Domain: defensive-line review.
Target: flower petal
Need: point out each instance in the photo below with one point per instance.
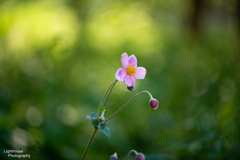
(129, 80)
(132, 60)
(121, 74)
(140, 73)
(124, 60)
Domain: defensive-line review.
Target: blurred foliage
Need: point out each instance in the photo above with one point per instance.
(58, 57)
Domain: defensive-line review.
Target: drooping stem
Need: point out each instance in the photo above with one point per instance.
(89, 143)
(127, 104)
(129, 153)
(107, 92)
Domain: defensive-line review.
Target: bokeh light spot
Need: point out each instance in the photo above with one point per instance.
(45, 22)
(68, 115)
(34, 116)
(121, 25)
(20, 138)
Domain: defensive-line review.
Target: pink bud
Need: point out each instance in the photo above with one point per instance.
(140, 156)
(154, 103)
(114, 156)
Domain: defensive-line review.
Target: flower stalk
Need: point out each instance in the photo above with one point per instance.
(127, 104)
(107, 92)
(129, 153)
(89, 143)
(110, 92)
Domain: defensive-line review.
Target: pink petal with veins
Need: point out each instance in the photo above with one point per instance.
(124, 60)
(129, 80)
(121, 74)
(140, 73)
(132, 60)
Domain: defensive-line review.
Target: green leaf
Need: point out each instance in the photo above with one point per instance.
(105, 130)
(93, 115)
(89, 118)
(101, 109)
(95, 123)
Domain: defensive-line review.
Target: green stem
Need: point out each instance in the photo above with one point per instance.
(127, 104)
(110, 87)
(89, 143)
(129, 153)
(109, 92)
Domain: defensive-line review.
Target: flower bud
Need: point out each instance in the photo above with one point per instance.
(101, 119)
(114, 156)
(130, 88)
(140, 156)
(153, 103)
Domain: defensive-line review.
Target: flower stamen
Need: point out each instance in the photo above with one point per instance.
(131, 70)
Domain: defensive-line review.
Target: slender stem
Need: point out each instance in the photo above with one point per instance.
(110, 87)
(89, 143)
(109, 92)
(127, 104)
(129, 153)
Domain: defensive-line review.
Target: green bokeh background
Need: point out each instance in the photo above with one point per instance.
(58, 57)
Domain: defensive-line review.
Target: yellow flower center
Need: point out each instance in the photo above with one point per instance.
(131, 70)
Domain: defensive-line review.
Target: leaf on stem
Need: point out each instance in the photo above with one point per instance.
(101, 109)
(89, 118)
(94, 120)
(93, 115)
(95, 123)
(105, 130)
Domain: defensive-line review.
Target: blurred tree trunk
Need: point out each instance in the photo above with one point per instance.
(238, 16)
(196, 15)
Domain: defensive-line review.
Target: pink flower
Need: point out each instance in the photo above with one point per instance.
(129, 72)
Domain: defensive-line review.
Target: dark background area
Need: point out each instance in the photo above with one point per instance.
(58, 57)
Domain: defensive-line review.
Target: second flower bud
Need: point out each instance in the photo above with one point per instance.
(101, 119)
